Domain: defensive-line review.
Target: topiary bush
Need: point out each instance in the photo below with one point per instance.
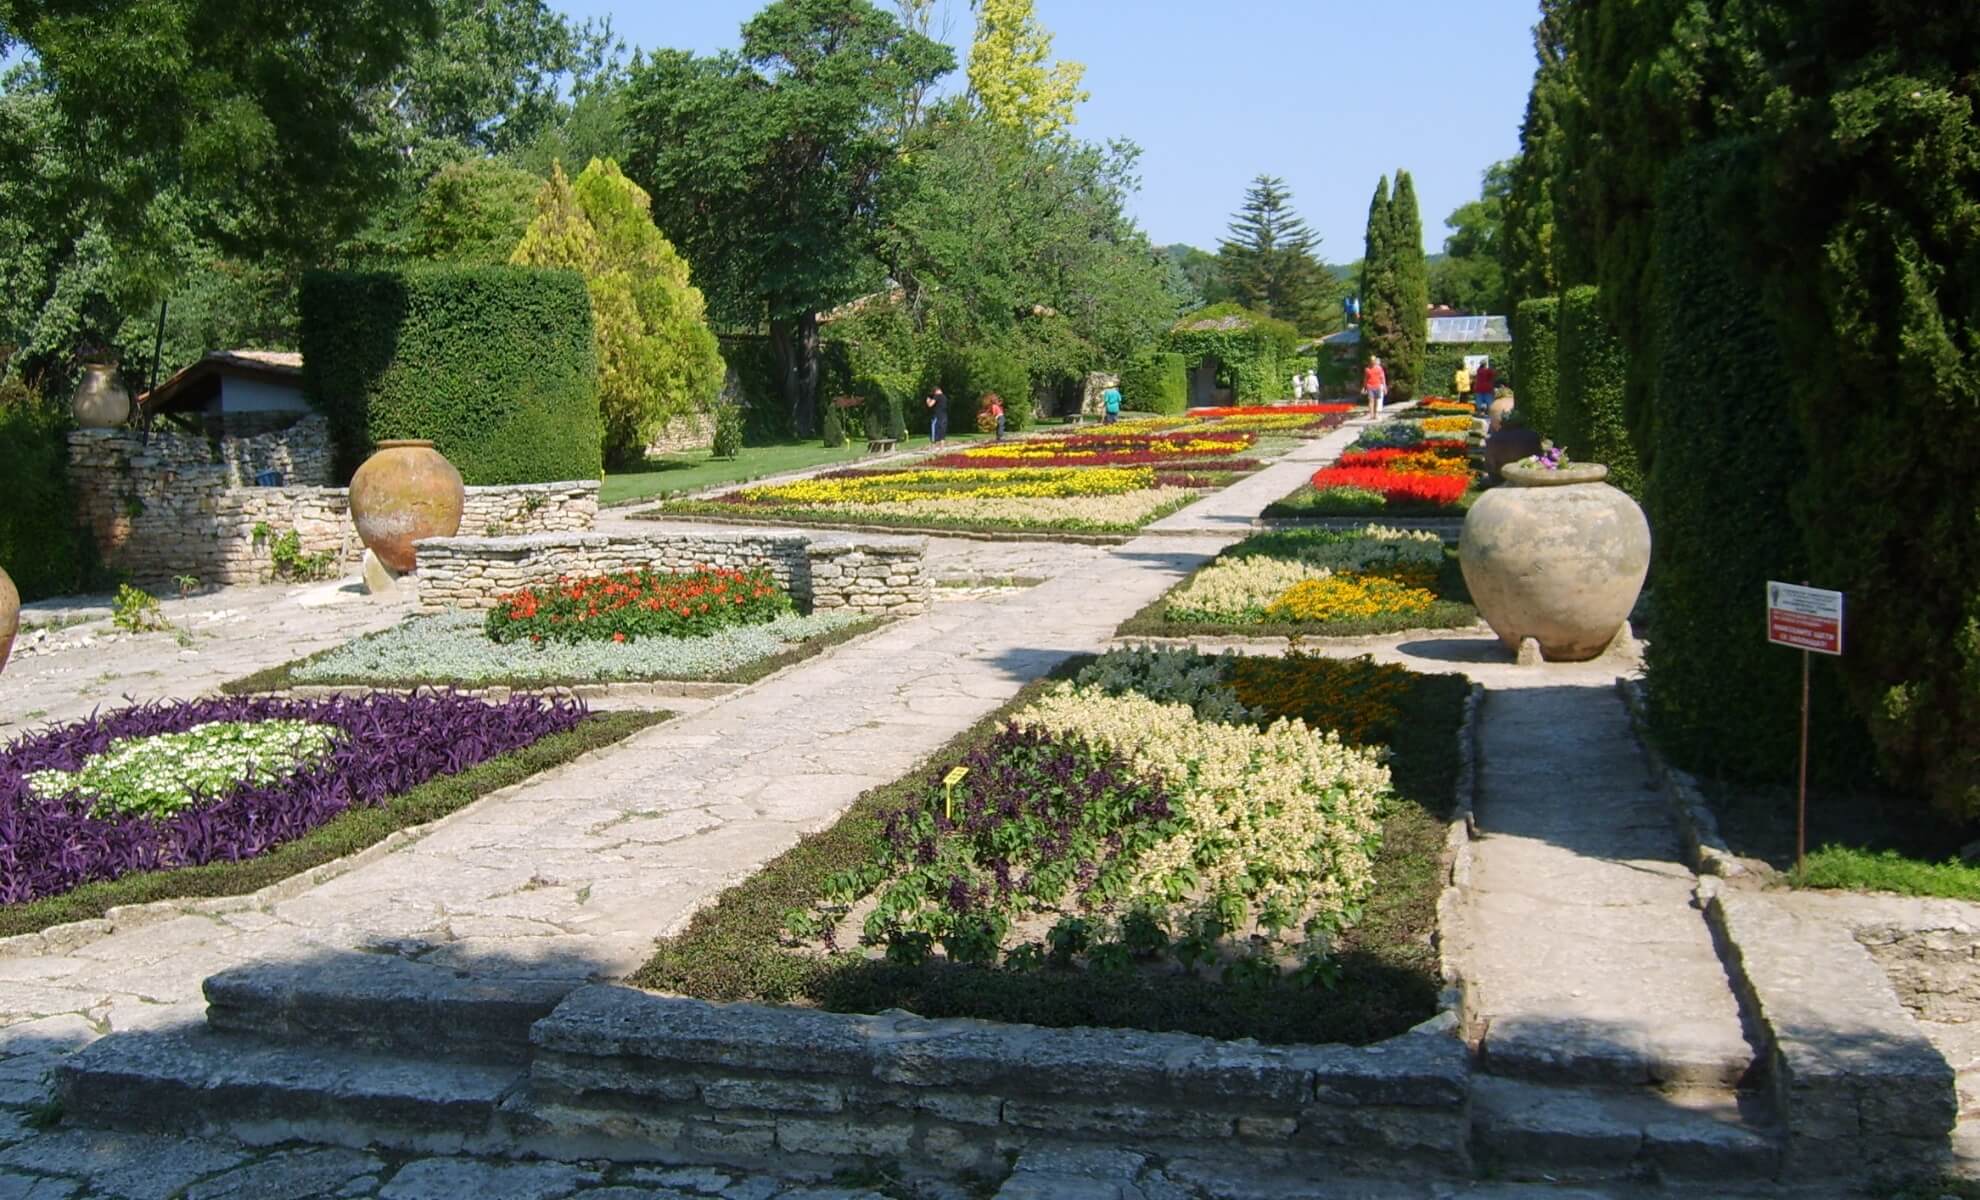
(834, 426)
(1156, 381)
(728, 441)
(1249, 346)
(42, 548)
(1590, 401)
(1722, 700)
(494, 364)
(1535, 362)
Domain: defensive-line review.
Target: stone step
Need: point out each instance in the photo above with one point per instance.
(196, 1081)
(1521, 1129)
(1611, 1053)
(384, 1004)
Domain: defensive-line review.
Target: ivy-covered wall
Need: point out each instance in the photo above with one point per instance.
(1254, 351)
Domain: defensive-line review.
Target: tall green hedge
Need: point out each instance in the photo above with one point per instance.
(41, 546)
(1593, 368)
(1722, 700)
(1442, 359)
(494, 364)
(1154, 381)
(1536, 362)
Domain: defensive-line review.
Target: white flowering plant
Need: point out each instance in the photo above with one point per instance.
(160, 774)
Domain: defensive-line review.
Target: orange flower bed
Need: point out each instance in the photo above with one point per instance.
(1395, 486)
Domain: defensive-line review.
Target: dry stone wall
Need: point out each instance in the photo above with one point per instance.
(630, 1074)
(695, 431)
(878, 577)
(176, 504)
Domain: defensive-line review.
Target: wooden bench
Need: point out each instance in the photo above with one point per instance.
(879, 445)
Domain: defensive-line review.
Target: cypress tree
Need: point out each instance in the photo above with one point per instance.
(1412, 284)
(1378, 320)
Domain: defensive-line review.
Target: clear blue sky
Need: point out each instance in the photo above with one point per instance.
(1328, 94)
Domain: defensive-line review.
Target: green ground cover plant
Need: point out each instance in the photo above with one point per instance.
(1240, 592)
(453, 650)
(953, 880)
(346, 834)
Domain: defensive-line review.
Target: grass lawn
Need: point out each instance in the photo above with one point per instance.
(673, 474)
(1387, 978)
(1860, 840)
(346, 834)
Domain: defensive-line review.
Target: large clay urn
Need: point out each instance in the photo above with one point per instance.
(100, 401)
(404, 492)
(1555, 555)
(10, 616)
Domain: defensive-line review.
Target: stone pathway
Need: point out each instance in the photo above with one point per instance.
(70, 659)
(1581, 949)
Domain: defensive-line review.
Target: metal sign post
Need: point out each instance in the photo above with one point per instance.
(1809, 620)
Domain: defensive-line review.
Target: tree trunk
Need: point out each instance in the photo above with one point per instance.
(794, 343)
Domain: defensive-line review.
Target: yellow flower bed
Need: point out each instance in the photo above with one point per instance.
(1284, 819)
(920, 487)
(1403, 592)
(1052, 448)
(1262, 423)
(1433, 426)
(1125, 510)
(1239, 589)
(1429, 462)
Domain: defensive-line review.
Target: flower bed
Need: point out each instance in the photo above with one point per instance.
(1135, 846)
(1446, 426)
(55, 837)
(452, 649)
(1430, 477)
(1316, 582)
(638, 604)
(1166, 841)
(1101, 450)
(1445, 406)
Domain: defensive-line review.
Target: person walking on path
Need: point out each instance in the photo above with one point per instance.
(938, 417)
(1374, 385)
(1299, 386)
(1111, 399)
(997, 412)
(1483, 381)
(1461, 382)
(1312, 384)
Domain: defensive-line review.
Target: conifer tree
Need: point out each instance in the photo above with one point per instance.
(1412, 296)
(1378, 286)
(656, 356)
(1268, 262)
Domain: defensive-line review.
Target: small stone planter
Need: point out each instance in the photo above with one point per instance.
(1558, 556)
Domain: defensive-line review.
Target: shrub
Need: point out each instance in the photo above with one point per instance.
(992, 370)
(1590, 403)
(41, 546)
(728, 430)
(1155, 381)
(1535, 354)
(656, 357)
(1249, 345)
(494, 364)
(834, 426)
(1721, 698)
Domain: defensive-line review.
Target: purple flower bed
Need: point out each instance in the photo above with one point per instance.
(393, 743)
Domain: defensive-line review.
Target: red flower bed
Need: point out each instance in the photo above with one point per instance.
(1099, 450)
(1389, 457)
(1395, 487)
(638, 604)
(1310, 409)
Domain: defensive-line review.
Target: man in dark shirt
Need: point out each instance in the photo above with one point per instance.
(938, 420)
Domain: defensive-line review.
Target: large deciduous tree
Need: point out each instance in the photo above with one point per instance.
(656, 356)
(1268, 264)
(1469, 277)
(775, 168)
(1011, 73)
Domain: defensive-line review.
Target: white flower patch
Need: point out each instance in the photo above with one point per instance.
(160, 774)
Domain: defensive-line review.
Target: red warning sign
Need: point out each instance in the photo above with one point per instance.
(1805, 618)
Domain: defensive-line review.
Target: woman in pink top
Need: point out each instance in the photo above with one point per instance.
(1375, 385)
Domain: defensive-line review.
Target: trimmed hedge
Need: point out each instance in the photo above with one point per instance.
(1536, 363)
(1249, 346)
(1722, 700)
(1155, 381)
(41, 546)
(1593, 368)
(494, 364)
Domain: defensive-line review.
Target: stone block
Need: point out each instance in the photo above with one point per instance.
(774, 1095)
(845, 1138)
(1119, 1120)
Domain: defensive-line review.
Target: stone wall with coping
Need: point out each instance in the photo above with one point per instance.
(695, 431)
(628, 1074)
(178, 504)
(877, 577)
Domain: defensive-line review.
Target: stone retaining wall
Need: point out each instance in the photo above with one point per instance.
(882, 578)
(695, 431)
(176, 504)
(628, 1074)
